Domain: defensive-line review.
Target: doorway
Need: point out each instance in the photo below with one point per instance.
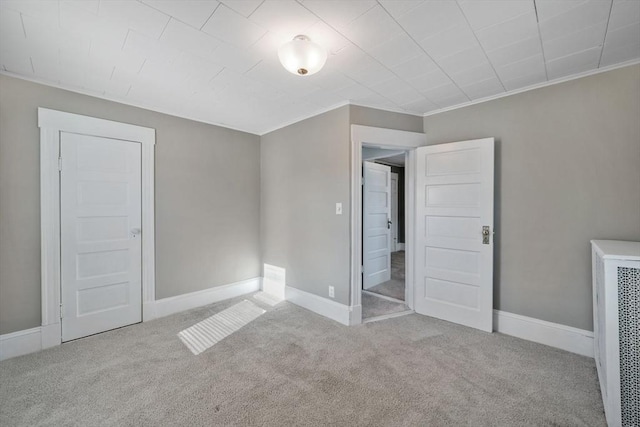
(403, 143)
(383, 221)
(449, 225)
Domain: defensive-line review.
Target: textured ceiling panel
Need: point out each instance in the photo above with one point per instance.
(216, 61)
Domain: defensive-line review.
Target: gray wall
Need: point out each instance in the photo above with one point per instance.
(567, 171)
(305, 171)
(207, 198)
(366, 116)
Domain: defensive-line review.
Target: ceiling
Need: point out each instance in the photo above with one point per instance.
(216, 61)
(375, 154)
(397, 160)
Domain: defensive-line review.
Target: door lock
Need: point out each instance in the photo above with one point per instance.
(389, 224)
(485, 234)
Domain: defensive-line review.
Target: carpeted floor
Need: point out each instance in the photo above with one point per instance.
(373, 306)
(293, 367)
(393, 288)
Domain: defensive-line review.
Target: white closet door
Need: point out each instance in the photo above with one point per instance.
(454, 259)
(376, 230)
(100, 215)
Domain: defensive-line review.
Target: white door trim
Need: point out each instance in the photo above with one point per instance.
(380, 138)
(51, 123)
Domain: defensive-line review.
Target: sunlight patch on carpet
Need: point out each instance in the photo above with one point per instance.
(205, 334)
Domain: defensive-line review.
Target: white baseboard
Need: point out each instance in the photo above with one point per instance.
(36, 339)
(20, 343)
(575, 340)
(273, 288)
(274, 281)
(167, 306)
(355, 315)
(325, 307)
(51, 335)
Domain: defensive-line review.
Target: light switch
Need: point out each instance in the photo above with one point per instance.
(338, 208)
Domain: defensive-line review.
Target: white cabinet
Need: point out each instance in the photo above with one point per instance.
(616, 325)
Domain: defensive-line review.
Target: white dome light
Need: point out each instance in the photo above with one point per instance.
(301, 56)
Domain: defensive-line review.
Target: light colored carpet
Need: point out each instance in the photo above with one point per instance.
(397, 265)
(393, 288)
(293, 367)
(373, 306)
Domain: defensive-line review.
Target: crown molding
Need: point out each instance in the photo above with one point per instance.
(325, 109)
(187, 117)
(535, 86)
(123, 101)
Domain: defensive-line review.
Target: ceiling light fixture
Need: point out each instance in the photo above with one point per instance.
(301, 56)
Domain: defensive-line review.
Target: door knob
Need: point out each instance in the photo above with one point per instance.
(135, 231)
(389, 224)
(485, 235)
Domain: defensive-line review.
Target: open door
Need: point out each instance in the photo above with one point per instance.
(454, 225)
(376, 224)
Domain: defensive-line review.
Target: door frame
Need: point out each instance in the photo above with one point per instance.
(51, 123)
(389, 139)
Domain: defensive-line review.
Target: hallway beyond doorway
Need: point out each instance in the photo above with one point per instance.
(394, 288)
(388, 298)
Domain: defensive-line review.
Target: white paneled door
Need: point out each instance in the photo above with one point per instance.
(100, 218)
(376, 223)
(454, 244)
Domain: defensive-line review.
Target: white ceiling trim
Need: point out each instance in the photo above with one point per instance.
(184, 116)
(535, 86)
(333, 107)
(121, 101)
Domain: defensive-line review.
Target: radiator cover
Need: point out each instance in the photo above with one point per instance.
(616, 324)
(629, 338)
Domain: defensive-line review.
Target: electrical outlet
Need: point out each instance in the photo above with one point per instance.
(332, 292)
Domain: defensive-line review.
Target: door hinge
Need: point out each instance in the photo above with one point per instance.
(59, 163)
(61, 311)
